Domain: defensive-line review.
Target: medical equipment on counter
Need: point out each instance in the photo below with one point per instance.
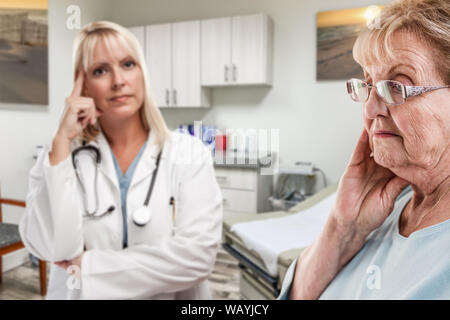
(221, 143)
(294, 184)
(304, 169)
(287, 200)
(206, 133)
(140, 217)
(299, 167)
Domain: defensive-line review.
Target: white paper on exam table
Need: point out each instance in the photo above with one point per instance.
(273, 236)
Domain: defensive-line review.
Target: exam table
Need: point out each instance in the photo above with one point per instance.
(256, 281)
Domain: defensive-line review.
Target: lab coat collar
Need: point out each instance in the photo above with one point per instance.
(147, 163)
(107, 163)
(144, 168)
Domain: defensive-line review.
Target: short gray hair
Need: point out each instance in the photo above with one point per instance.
(428, 20)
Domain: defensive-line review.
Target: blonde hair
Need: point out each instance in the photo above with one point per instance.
(84, 46)
(427, 20)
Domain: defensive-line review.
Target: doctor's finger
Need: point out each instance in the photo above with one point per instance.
(81, 105)
(98, 111)
(62, 264)
(78, 86)
(93, 116)
(83, 113)
(84, 121)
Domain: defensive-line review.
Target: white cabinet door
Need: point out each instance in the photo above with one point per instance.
(186, 90)
(216, 51)
(159, 61)
(139, 33)
(239, 200)
(250, 39)
(237, 178)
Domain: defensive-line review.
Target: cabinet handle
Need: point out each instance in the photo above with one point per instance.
(221, 178)
(226, 73)
(174, 93)
(167, 97)
(234, 73)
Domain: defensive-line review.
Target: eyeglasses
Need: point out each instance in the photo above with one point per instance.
(390, 92)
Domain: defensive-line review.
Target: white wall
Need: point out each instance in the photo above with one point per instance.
(317, 120)
(24, 126)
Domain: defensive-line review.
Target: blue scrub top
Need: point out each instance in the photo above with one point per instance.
(124, 184)
(391, 266)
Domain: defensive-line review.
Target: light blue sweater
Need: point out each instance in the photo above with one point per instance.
(391, 266)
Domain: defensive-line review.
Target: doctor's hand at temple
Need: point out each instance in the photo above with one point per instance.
(79, 112)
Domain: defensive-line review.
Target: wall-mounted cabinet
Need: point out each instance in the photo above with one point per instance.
(172, 53)
(173, 58)
(237, 51)
(185, 58)
(139, 33)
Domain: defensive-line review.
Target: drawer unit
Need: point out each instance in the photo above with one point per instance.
(244, 189)
(239, 200)
(236, 178)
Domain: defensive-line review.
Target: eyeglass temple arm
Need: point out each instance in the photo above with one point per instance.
(412, 91)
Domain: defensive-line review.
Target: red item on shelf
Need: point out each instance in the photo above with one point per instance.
(221, 142)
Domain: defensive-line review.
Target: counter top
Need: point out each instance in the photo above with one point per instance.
(243, 159)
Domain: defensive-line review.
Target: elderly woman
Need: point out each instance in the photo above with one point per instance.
(372, 246)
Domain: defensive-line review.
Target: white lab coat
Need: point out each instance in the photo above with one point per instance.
(164, 260)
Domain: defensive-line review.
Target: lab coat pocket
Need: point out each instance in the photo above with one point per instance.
(171, 216)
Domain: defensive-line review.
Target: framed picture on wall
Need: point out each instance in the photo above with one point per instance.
(24, 52)
(336, 34)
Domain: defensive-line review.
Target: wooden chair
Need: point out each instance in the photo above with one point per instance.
(10, 241)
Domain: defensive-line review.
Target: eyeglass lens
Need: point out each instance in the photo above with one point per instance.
(357, 90)
(389, 91)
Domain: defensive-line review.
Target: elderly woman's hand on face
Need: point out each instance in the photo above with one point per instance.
(366, 193)
(365, 198)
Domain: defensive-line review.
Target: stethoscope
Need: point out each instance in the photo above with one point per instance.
(140, 216)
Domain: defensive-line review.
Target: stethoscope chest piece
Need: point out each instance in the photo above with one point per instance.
(141, 216)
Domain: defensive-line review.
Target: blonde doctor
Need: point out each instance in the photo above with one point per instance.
(125, 208)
